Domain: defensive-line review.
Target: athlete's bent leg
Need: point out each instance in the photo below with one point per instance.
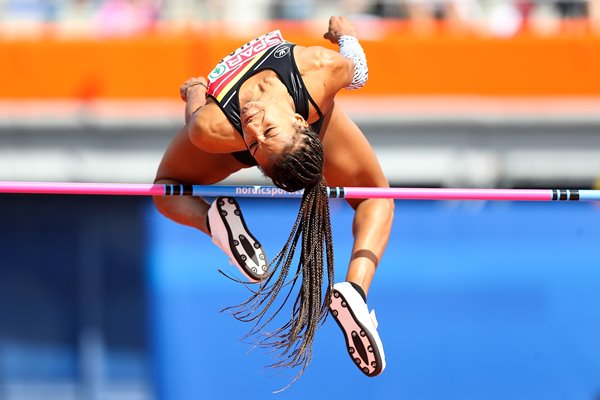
(371, 228)
(351, 161)
(183, 163)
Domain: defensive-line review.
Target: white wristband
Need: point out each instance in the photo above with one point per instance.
(351, 49)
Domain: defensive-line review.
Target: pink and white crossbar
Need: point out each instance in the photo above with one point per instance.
(138, 189)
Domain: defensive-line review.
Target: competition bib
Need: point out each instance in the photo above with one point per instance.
(231, 68)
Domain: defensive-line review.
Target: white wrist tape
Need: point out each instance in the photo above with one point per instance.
(351, 49)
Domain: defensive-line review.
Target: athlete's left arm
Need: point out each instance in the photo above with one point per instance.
(350, 161)
(326, 72)
(343, 33)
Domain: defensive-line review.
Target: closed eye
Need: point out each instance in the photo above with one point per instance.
(271, 132)
(251, 146)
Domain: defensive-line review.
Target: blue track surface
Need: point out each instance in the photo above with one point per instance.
(475, 301)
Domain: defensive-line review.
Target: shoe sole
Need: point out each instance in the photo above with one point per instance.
(244, 248)
(360, 342)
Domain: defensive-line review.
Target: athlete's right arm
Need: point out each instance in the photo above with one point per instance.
(185, 161)
(193, 92)
(208, 128)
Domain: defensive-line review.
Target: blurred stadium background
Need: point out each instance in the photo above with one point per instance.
(102, 298)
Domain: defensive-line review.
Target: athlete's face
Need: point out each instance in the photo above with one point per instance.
(268, 129)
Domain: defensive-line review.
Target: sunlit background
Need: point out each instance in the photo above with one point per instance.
(103, 298)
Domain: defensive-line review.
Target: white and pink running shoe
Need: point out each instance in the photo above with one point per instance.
(359, 327)
(230, 233)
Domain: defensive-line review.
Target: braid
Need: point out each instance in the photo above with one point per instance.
(292, 342)
(300, 164)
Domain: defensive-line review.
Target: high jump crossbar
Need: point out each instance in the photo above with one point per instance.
(140, 189)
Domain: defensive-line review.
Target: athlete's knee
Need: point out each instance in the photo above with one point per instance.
(161, 202)
(391, 207)
(382, 211)
(386, 209)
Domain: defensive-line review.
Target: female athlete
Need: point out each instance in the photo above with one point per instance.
(271, 104)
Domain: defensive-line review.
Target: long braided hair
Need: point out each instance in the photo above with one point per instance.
(299, 166)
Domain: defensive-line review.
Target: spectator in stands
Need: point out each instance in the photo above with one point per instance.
(126, 17)
(457, 15)
(594, 15)
(292, 10)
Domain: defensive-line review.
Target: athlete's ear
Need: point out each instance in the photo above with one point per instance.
(300, 120)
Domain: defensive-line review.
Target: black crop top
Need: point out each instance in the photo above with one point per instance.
(269, 51)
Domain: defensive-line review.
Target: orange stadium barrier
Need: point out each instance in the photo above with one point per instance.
(401, 63)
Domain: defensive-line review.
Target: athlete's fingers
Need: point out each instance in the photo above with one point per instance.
(329, 36)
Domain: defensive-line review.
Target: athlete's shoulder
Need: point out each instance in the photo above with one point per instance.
(325, 65)
(317, 57)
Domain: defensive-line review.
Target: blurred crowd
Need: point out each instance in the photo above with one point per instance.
(130, 17)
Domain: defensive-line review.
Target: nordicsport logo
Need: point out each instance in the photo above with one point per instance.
(265, 191)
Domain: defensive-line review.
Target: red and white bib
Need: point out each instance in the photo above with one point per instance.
(233, 67)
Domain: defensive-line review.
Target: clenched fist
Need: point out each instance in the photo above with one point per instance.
(339, 26)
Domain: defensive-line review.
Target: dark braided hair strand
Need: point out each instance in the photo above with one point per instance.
(299, 166)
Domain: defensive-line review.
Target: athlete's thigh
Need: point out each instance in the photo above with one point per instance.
(349, 158)
(183, 162)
